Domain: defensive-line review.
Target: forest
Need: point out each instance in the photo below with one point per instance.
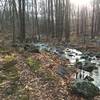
(49, 49)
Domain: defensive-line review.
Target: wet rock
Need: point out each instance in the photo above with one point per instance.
(42, 46)
(84, 88)
(79, 65)
(98, 55)
(62, 71)
(91, 54)
(53, 50)
(89, 67)
(84, 56)
(88, 78)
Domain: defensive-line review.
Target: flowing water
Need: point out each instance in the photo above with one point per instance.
(72, 55)
(95, 74)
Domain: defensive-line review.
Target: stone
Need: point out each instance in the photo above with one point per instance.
(88, 78)
(62, 71)
(89, 67)
(84, 88)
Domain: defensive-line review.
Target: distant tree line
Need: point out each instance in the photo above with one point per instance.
(50, 18)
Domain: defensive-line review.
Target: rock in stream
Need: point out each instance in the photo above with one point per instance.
(85, 89)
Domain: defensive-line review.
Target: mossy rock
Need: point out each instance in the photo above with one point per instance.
(85, 88)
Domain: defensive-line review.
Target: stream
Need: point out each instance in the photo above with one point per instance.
(73, 55)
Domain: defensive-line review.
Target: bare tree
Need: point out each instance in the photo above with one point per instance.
(22, 19)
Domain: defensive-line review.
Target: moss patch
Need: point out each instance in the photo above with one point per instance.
(34, 64)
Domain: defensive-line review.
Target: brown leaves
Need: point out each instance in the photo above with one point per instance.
(44, 84)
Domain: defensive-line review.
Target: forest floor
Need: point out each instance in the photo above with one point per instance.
(20, 80)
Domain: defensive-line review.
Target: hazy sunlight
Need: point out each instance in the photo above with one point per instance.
(81, 2)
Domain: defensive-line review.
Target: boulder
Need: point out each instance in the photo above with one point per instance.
(79, 65)
(84, 88)
(89, 67)
(88, 78)
(98, 55)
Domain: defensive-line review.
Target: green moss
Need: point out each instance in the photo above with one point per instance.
(85, 88)
(23, 97)
(49, 77)
(2, 49)
(9, 64)
(34, 64)
(9, 58)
